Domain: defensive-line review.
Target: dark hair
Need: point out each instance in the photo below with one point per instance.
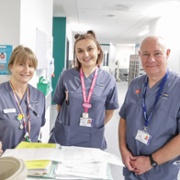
(88, 35)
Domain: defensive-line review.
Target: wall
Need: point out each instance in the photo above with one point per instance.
(10, 24)
(37, 14)
(59, 44)
(167, 27)
(171, 31)
(123, 52)
(19, 21)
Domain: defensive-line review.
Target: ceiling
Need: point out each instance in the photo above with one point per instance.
(116, 21)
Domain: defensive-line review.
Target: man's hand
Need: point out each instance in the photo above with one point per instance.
(140, 164)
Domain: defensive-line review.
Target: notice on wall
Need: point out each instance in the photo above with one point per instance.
(5, 54)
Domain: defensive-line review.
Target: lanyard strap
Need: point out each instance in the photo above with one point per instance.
(85, 98)
(161, 86)
(21, 111)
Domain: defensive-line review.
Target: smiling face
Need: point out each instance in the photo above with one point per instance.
(22, 72)
(22, 65)
(87, 53)
(154, 56)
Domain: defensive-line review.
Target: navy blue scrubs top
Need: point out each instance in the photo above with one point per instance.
(67, 130)
(163, 126)
(10, 133)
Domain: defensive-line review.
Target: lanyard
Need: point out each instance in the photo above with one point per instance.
(161, 86)
(86, 99)
(22, 115)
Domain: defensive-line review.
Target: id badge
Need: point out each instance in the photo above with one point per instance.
(143, 137)
(87, 122)
(12, 110)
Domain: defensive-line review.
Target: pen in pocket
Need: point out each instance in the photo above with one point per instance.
(67, 97)
(32, 109)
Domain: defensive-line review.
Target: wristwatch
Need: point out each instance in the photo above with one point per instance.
(153, 163)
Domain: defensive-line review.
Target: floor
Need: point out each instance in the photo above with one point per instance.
(111, 132)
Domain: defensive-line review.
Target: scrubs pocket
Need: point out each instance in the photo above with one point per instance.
(88, 137)
(78, 136)
(60, 134)
(97, 138)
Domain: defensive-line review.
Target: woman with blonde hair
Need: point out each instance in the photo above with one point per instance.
(22, 107)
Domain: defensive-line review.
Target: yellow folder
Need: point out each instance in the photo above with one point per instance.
(37, 167)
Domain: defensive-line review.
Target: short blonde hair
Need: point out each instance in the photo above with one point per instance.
(22, 54)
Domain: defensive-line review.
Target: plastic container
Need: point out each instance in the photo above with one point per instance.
(43, 85)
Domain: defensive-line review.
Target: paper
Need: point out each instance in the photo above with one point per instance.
(95, 170)
(67, 154)
(78, 154)
(73, 162)
(37, 167)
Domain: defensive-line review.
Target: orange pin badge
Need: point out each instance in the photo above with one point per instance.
(137, 91)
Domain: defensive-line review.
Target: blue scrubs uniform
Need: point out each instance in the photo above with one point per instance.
(67, 130)
(10, 133)
(163, 126)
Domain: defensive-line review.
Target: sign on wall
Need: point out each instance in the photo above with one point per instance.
(5, 54)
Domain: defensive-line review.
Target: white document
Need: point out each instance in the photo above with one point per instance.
(34, 153)
(79, 154)
(82, 170)
(66, 155)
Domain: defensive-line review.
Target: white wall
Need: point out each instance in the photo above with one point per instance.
(112, 58)
(10, 24)
(71, 41)
(168, 27)
(123, 52)
(37, 14)
(19, 21)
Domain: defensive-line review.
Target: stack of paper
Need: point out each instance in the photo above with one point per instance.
(37, 167)
(68, 162)
(96, 170)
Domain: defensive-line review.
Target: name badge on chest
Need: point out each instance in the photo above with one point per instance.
(11, 110)
(143, 137)
(85, 120)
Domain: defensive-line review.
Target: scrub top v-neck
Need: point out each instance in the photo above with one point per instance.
(67, 130)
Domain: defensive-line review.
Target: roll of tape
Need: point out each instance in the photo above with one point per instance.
(12, 169)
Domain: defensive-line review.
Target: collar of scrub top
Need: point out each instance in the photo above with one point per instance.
(28, 124)
(158, 94)
(86, 99)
